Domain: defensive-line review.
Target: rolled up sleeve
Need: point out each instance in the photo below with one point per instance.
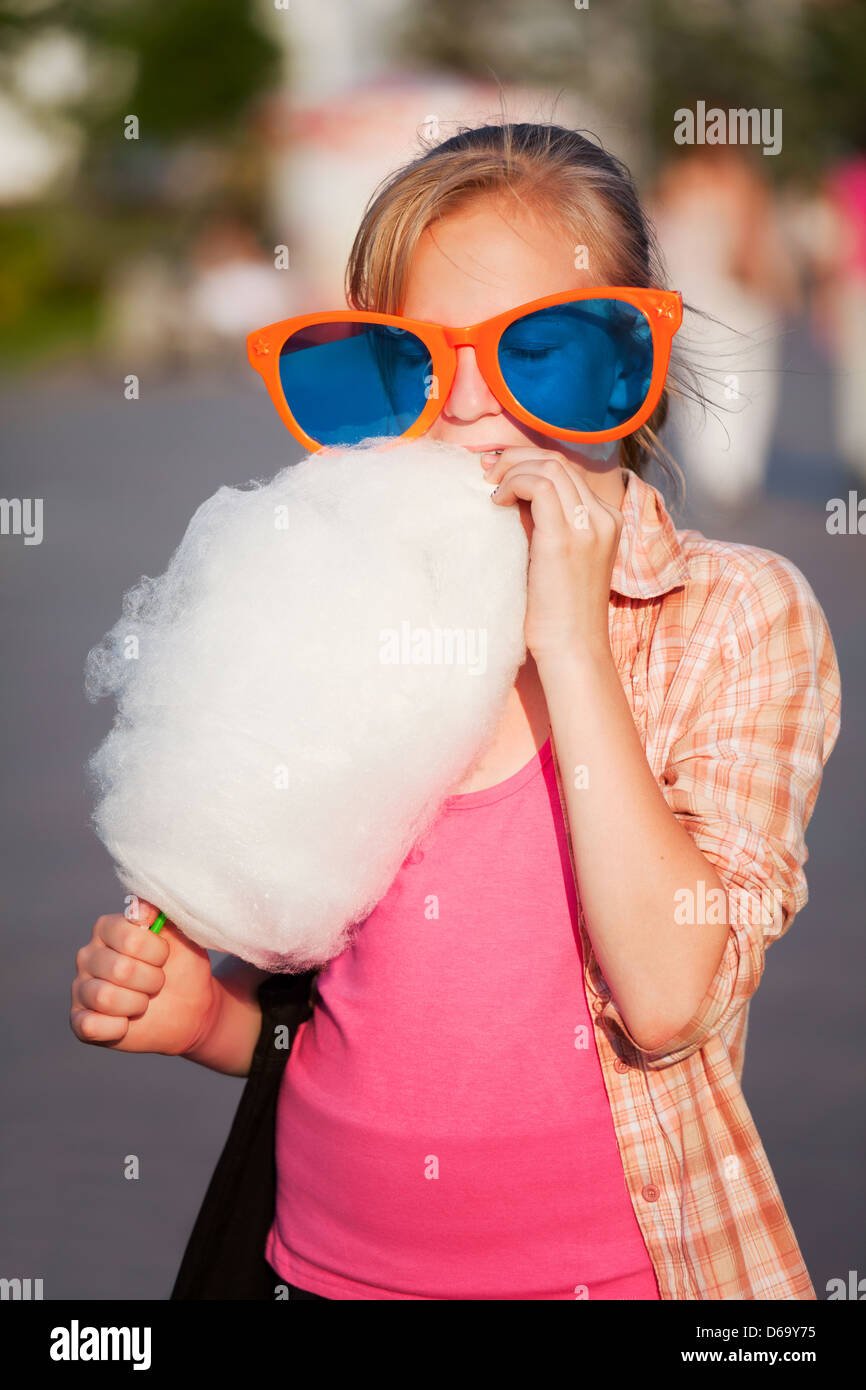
(743, 774)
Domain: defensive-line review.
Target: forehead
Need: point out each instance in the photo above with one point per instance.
(483, 259)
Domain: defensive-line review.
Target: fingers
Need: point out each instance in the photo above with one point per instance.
(581, 507)
(134, 977)
(97, 1028)
(132, 939)
(140, 912)
(543, 493)
(539, 478)
(102, 997)
(118, 972)
(517, 460)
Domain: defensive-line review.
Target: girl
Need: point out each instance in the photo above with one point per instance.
(538, 1096)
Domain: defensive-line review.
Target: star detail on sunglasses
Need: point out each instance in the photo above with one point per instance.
(261, 348)
(664, 311)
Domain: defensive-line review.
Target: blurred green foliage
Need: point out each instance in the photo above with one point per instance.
(196, 68)
(46, 304)
(197, 62)
(53, 261)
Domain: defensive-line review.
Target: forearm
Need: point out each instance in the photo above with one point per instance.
(632, 855)
(230, 1035)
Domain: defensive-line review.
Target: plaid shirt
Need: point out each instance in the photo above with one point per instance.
(730, 671)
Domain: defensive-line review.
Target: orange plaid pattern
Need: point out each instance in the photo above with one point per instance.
(727, 661)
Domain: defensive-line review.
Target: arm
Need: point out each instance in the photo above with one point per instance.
(740, 782)
(632, 854)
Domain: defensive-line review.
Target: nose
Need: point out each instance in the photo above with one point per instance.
(470, 397)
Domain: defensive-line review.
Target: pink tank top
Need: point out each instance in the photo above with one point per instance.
(443, 1128)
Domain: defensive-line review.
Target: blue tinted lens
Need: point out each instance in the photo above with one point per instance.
(580, 366)
(345, 381)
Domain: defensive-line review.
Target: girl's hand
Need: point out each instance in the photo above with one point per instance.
(138, 991)
(573, 546)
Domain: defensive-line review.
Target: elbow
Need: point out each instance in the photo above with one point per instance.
(666, 1031)
(661, 1039)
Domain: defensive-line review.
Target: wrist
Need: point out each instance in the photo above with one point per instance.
(209, 1024)
(585, 654)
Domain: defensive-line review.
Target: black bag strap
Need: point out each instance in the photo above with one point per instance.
(224, 1257)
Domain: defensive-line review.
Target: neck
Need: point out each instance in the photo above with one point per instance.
(608, 481)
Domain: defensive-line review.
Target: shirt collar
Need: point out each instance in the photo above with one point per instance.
(650, 560)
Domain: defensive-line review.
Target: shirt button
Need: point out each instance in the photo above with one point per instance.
(650, 1193)
(415, 856)
(620, 1065)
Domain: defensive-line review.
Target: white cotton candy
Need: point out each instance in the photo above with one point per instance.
(288, 721)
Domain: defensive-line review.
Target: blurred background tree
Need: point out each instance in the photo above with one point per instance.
(191, 71)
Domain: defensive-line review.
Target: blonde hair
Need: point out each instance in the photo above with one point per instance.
(573, 181)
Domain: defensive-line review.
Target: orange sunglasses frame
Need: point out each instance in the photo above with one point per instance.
(663, 310)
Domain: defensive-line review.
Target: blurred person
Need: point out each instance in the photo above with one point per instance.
(195, 311)
(142, 313)
(540, 1096)
(231, 287)
(839, 263)
(724, 249)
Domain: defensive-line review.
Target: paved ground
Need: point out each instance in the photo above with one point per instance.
(119, 481)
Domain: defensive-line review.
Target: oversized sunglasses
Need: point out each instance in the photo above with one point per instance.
(582, 365)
